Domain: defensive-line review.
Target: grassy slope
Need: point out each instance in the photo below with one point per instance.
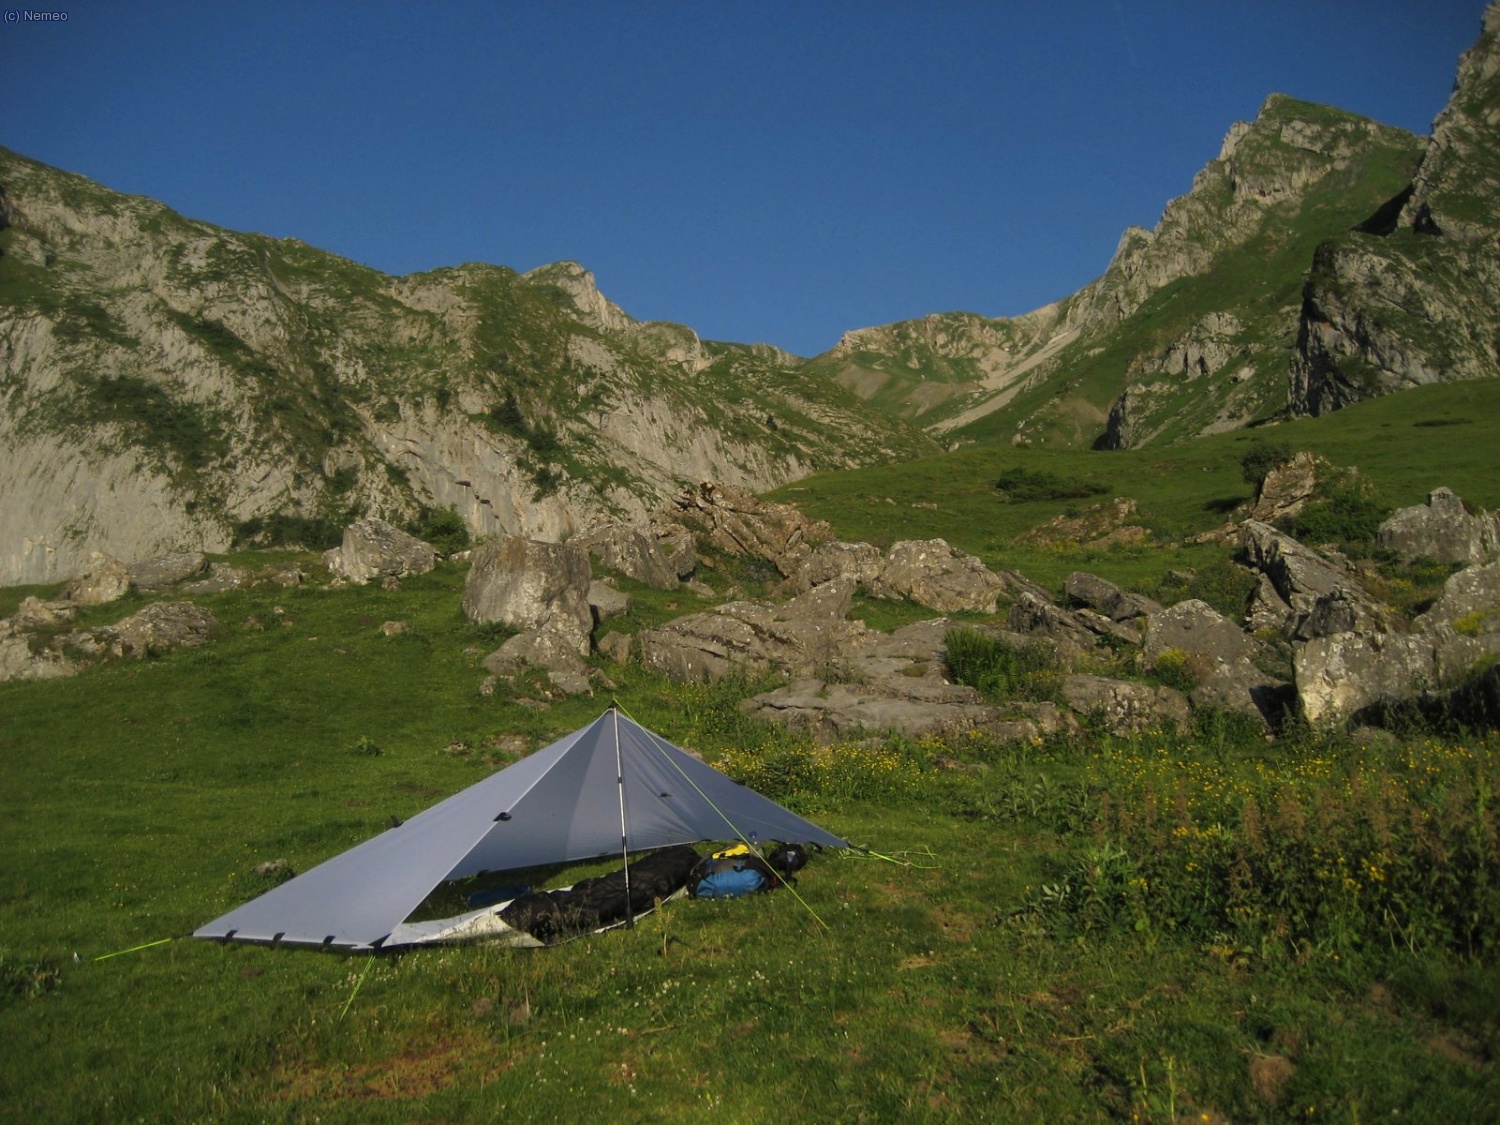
(140, 797)
(1407, 444)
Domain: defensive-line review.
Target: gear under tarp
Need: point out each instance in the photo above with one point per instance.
(560, 805)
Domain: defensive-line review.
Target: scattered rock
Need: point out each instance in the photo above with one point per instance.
(528, 585)
(860, 561)
(163, 627)
(19, 662)
(736, 521)
(1104, 524)
(33, 613)
(1074, 633)
(678, 546)
(155, 575)
(543, 648)
(631, 551)
(1220, 657)
(619, 647)
(107, 579)
(1443, 530)
(797, 637)
(606, 602)
(933, 574)
(1286, 488)
(218, 578)
(1303, 578)
(290, 575)
(373, 548)
(1127, 708)
(1105, 597)
(395, 628)
(1267, 609)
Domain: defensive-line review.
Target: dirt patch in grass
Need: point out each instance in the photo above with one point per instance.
(1269, 1075)
(466, 1056)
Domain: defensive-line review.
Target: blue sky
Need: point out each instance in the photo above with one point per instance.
(760, 171)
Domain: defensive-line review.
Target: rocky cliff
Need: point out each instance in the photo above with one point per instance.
(1320, 259)
(1189, 330)
(1410, 296)
(172, 385)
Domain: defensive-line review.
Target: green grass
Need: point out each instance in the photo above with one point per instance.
(1405, 445)
(141, 795)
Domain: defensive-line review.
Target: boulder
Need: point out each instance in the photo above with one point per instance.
(1074, 632)
(631, 551)
(106, 580)
(221, 577)
(1104, 524)
(1220, 657)
(1443, 529)
(1340, 676)
(1127, 708)
(528, 585)
(832, 711)
(543, 648)
(155, 575)
(802, 635)
(606, 602)
(933, 574)
(736, 521)
(1286, 488)
(619, 647)
(19, 662)
(163, 627)
(1355, 676)
(860, 561)
(1303, 578)
(1105, 597)
(678, 546)
(1267, 609)
(373, 548)
(33, 613)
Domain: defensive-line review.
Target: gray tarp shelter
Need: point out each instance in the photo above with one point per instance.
(611, 787)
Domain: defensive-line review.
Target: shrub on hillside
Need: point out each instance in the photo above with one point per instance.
(1348, 511)
(444, 528)
(1258, 461)
(1021, 484)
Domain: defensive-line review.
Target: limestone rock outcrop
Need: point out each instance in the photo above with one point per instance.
(738, 522)
(373, 548)
(154, 575)
(532, 587)
(797, 637)
(163, 627)
(1105, 597)
(1127, 708)
(107, 579)
(630, 550)
(933, 574)
(1220, 657)
(1322, 592)
(1443, 529)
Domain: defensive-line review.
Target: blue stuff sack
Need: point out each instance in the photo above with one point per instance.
(732, 882)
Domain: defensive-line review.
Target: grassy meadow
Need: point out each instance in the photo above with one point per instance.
(1405, 445)
(1170, 928)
